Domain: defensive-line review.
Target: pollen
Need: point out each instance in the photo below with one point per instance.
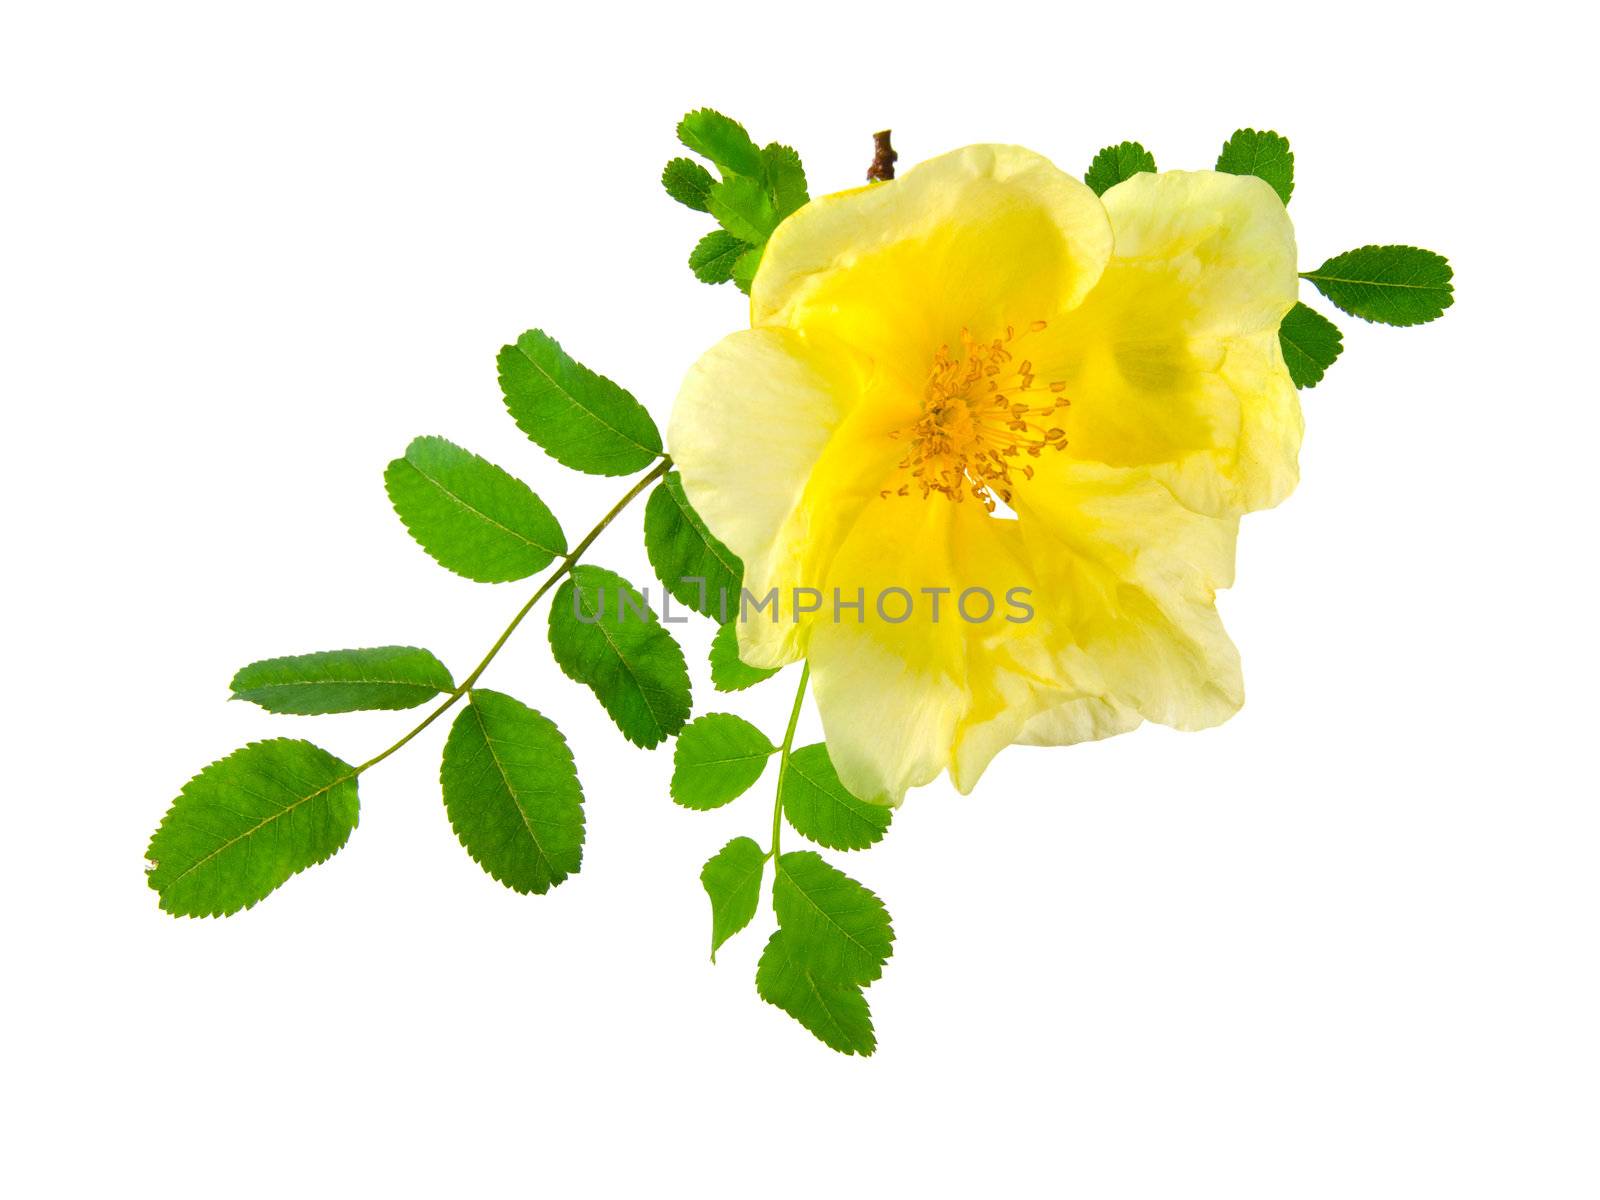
(984, 412)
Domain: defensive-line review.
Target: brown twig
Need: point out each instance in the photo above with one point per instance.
(883, 156)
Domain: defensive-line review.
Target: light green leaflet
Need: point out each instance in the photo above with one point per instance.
(1310, 344)
(472, 517)
(833, 938)
(713, 257)
(784, 177)
(821, 808)
(744, 271)
(717, 758)
(1116, 163)
(1395, 285)
(695, 567)
(835, 1012)
(722, 140)
(603, 634)
(729, 672)
(512, 793)
(1264, 155)
(581, 419)
(336, 681)
(247, 823)
(732, 879)
(744, 208)
(843, 927)
(688, 183)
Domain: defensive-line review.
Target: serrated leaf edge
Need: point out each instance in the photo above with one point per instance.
(572, 401)
(840, 806)
(557, 877)
(247, 694)
(153, 865)
(665, 733)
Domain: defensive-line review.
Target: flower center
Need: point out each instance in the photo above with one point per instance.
(980, 412)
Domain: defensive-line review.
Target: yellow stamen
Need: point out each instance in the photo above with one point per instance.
(966, 433)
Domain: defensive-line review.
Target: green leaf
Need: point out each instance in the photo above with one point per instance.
(1116, 163)
(841, 928)
(729, 672)
(1310, 344)
(743, 207)
(784, 177)
(512, 793)
(1264, 155)
(604, 635)
(688, 183)
(835, 1012)
(247, 823)
(833, 938)
(822, 809)
(469, 515)
(582, 420)
(717, 758)
(744, 271)
(336, 681)
(722, 140)
(714, 255)
(1396, 285)
(732, 878)
(696, 568)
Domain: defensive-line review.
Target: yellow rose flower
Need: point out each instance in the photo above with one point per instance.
(981, 340)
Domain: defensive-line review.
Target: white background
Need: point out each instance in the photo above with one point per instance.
(1343, 946)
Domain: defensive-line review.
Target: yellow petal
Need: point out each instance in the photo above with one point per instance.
(1076, 721)
(1133, 575)
(1227, 238)
(1121, 580)
(978, 238)
(751, 434)
(890, 691)
(1172, 361)
(1125, 627)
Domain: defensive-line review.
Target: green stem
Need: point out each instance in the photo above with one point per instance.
(783, 759)
(555, 577)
